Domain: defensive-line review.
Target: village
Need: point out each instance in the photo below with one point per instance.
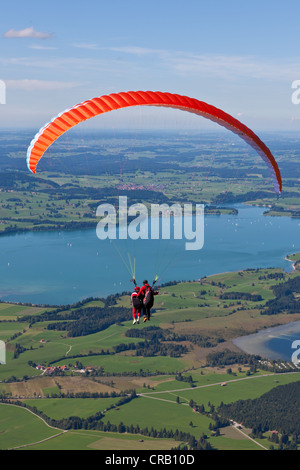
(64, 368)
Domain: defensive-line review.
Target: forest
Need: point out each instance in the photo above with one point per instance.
(241, 296)
(86, 321)
(285, 300)
(155, 333)
(227, 357)
(278, 409)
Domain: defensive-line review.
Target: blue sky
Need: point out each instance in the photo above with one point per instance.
(239, 56)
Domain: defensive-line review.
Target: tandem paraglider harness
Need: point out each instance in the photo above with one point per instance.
(146, 299)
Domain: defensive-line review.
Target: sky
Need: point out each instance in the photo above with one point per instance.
(242, 57)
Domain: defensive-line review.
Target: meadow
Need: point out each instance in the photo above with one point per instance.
(167, 406)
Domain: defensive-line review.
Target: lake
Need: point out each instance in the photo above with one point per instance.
(280, 342)
(64, 267)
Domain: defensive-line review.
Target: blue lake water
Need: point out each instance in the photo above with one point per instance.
(281, 342)
(64, 267)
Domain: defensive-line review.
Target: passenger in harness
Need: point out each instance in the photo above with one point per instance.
(137, 305)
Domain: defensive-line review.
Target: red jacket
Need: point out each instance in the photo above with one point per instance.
(143, 290)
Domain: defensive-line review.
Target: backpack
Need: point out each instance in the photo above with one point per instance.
(149, 298)
(136, 301)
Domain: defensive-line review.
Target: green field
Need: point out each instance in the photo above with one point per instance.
(58, 408)
(209, 389)
(152, 410)
(21, 429)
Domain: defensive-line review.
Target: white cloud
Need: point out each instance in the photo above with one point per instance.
(39, 85)
(212, 65)
(177, 63)
(26, 33)
(139, 51)
(131, 50)
(232, 67)
(62, 65)
(43, 48)
(86, 46)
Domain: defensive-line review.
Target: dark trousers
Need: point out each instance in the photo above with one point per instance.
(147, 310)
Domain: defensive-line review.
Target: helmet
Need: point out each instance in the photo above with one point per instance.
(137, 288)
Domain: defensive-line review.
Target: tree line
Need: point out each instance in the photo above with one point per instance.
(241, 296)
(155, 333)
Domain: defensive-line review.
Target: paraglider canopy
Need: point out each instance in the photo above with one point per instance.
(88, 109)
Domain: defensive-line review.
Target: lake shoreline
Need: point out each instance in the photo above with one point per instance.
(259, 343)
(74, 225)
